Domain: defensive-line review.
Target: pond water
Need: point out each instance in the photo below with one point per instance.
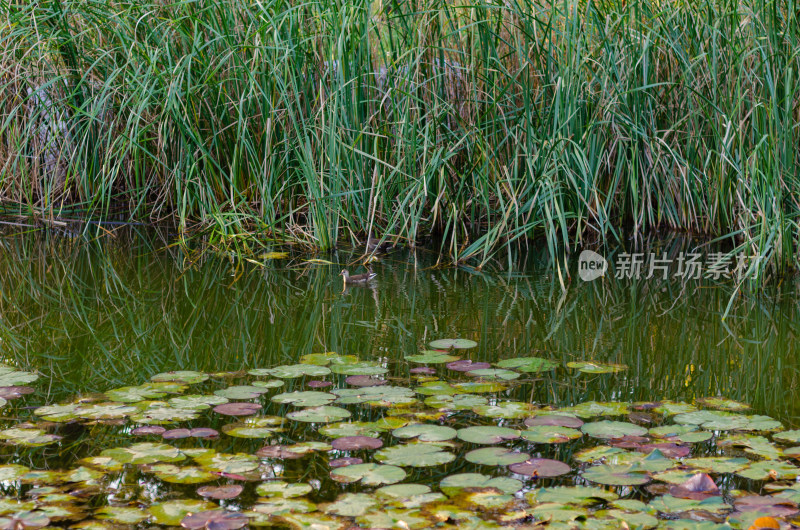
(595, 385)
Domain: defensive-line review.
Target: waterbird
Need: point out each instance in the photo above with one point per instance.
(358, 278)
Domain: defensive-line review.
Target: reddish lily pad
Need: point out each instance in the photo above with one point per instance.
(230, 491)
(699, 487)
(215, 520)
(540, 468)
(237, 409)
(555, 420)
(346, 461)
(465, 365)
(364, 380)
(176, 434)
(146, 430)
(355, 443)
(14, 392)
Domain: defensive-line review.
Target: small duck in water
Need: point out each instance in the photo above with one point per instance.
(358, 278)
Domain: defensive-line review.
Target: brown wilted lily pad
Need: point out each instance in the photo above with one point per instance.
(237, 409)
(540, 468)
(465, 365)
(343, 462)
(148, 429)
(699, 487)
(364, 380)
(354, 443)
(230, 491)
(278, 451)
(176, 434)
(775, 506)
(555, 420)
(215, 520)
(14, 392)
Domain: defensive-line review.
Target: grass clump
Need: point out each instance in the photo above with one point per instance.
(484, 124)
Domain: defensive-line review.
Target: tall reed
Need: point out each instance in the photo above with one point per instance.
(483, 124)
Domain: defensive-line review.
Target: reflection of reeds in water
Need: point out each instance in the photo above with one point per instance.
(112, 311)
(485, 123)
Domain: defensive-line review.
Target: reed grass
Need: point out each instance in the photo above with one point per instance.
(481, 125)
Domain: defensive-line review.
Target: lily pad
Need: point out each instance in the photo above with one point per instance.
(505, 409)
(414, 455)
(241, 392)
(531, 365)
(356, 443)
(487, 435)
(466, 365)
(426, 433)
(296, 370)
(359, 368)
(589, 367)
(607, 429)
(432, 358)
(454, 484)
(231, 491)
(446, 344)
(171, 513)
(554, 420)
(304, 399)
(145, 453)
(545, 434)
(324, 414)
(496, 456)
(186, 377)
(456, 402)
(228, 463)
(369, 474)
(495, 373)
(540, 468)
(616, 475)
(280, 488)
(238, 408)
(216, 519)
(181, 474)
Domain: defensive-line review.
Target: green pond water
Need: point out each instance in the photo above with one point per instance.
(588, 411)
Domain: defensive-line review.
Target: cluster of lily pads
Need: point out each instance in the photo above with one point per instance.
(335, 441)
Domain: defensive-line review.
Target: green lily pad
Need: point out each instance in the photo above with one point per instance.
(160, 413)
(496, 456)
(616, 475)
(283, 489)
(171, 513)
(599, 453)
(304, 399)
(592, 409)
(669, 504)
(133, 394)
(351, 505)
(369, 474)
(121, 514)
(769, 468)
(495, 373)
(324, 414)
(791, 437)
(228, 463)
(376, 395)
(396, 491)
(479, 387)
(531, 365)
(57, 413)
(359, 368)
(186, 377)
(425, 432)
(254, 427)
(181, 474)
(455, 484)
(272, 383)
(446, 344)
(28, 437)
(105, 411)
(455, 402)
(487, 435)
(324, 359)
(144, 453)
(356, 428)
(436, 388)
(589, 367)
(607, 429)
(11, 377)
(578, 495)
(432, 358)
(196, 402)
(505, 409)
(547, 434)
(241, 392)
(414, 455)
(295, 370)
(717, 464)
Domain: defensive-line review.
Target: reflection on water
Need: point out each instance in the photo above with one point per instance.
(100, 313)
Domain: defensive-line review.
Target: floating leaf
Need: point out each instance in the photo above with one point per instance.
(228, 463)
(121, 514)
(533, 365)
(578, 495)
(454, 484)
(554, 420)
(425, 432)
(607, 429)
(540, 468)
(144, 453)
(304, 399)
(351, 505)
(28, 437)
(181, 474)
(356, 443)
(241, 392)
(369, 474)
(323, 414)
(280, 488)
(505, 409)
(238, 409)
(496, 456)
(616, 475)
(254, 427)
(231, 491)
(495, 373)
(12, 377)
(295, 370)
(446, 344)
(545, 434)
(766, 469)
(196, 402)
(186, 377)
(376, 395)
(359, 368)
(592, 409)
(432, 358)
(466, 365)
(171, 513)
(722, 403)
(216, 519)
(487, 435)
(456, 402)
(414, 455)
(589, 367)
